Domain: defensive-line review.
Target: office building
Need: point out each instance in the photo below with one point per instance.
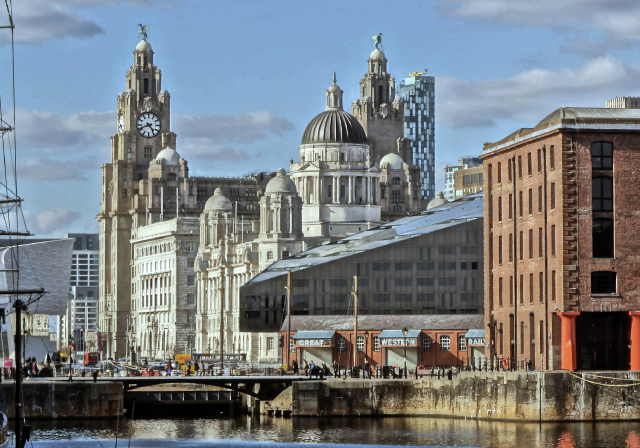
(449, 170)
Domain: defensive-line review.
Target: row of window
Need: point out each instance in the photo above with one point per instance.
(445, 343)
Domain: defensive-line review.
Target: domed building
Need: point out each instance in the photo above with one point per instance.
(338, 183)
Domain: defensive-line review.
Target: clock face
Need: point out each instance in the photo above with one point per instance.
(148, 124)
(121, 123)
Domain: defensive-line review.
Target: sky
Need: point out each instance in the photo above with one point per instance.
(245, 77)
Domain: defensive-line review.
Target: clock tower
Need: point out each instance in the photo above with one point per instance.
(143, 129)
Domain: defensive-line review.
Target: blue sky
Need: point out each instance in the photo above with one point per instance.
(247, 76)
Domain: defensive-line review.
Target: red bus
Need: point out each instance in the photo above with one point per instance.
(91, 358)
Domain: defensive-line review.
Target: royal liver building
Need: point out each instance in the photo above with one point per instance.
(175, 249)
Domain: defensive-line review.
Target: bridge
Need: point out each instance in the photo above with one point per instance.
(268, 388)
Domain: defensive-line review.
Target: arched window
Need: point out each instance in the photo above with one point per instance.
(602, 194)
(171, 176)
(603, 282)
(602, 156)
(603, 238)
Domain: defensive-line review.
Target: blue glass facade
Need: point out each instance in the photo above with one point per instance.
(418, 92)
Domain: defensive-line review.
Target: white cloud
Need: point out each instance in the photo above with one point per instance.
(48, 221)
(619, 19)
(38, 21)
(531, 95)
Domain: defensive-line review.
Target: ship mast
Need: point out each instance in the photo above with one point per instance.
(11, 210)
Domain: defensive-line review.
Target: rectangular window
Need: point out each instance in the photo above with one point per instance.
(342, 191)
(124, 193)
(500, 209)
(602, 156)
(553, 286)
(426, 343)
(269, 343)
(510, 248)
(602, 194)
(520, 203)
(329, 191)
(603, 282)
(191, 299)
(360, 343)
(499, 172)
(531, 293)
(500, 291)
(500, 249)
(529, 168)
(462, 343)
(445, 344)
(191, 280)
(521, 289)
(520, 167)
(510, 206)
(540, 246)
(509, 171)
(530, 201)
(603, 238)
(376, 344)
(341, 344)
(522, 337)
(530, 244)
(511, 290)
(539, 199)
(553, 241)
(552, 157)
(552, 196)
(521, 242)
(541, 336)
(541, 286)
(539, 160)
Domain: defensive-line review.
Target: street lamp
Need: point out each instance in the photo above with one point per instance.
(404, 333)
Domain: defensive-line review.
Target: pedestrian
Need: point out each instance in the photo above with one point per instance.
(336, 369)
(189, 368)
(295, 367)
(306, 367)
(366, 370)
(312, 367)
(94, 374)
(196, 367)
(34, 369)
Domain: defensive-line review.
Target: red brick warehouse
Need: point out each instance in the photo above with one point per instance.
(562, 238)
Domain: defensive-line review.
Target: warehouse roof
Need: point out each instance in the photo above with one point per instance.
(386, 322)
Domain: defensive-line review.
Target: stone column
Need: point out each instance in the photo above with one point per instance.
(635, 339)
(320, 189)
(351, 188)
(335, 189)
(568, 340)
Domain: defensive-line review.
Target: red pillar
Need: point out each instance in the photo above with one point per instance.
(568, 340)
(635, 340)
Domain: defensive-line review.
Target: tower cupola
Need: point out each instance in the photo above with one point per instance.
(334, 96)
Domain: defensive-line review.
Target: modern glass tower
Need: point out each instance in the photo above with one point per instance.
(418, 93)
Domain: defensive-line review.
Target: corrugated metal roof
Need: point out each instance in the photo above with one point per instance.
(313, 334)
(447, 215)
(398, 334)
(385, 322)
(474, 334)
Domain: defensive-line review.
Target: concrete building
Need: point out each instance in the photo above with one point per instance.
(561, 241)
(428, 263)
(418, 93)
(467, 181)
(431, 340)
(449, 171)
(82, 308)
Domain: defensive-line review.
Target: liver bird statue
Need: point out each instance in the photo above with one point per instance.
(143, 30)
(377, 39)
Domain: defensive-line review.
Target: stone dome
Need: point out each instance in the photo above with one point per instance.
(143, 45)
(334, 126)
(163, 93)
(281, 184)
(367, 99)
(392, 161)
(437, 201)
(218, 202)
(377, 54)
(170, 156)
(131, 92)
(122, 94)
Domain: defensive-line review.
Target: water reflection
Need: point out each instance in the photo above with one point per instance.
(204, 432)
